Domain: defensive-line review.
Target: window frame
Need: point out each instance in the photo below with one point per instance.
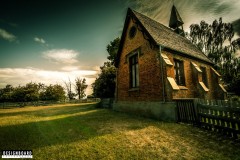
(134, 70)
(179, 74)
(204, 75)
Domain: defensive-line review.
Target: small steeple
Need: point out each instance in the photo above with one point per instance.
(176, 22)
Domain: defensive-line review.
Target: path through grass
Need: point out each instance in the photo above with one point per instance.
(81, 131)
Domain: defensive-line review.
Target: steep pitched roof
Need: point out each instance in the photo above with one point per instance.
(175, 19)
(163, 36)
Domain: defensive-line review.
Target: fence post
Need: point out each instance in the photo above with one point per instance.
(195, 104)
(177, 112)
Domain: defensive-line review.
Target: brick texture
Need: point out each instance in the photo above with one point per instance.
(154, 87)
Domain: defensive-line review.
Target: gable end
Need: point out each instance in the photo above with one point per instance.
(140, 27)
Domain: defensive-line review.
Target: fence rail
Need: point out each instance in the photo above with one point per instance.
(223, 119)
(219, 103)
(219, 116)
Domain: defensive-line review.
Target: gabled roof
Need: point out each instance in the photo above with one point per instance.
(175, 19)
(162, 36)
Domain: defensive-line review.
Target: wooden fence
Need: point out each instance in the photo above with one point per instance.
(186, 111)
(219, 116)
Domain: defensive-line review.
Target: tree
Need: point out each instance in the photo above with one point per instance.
(216, 41)
(53, 92)
(104, 85)
(211, 38)
(31, 92)
(68, 85)
(28, 93)
(112, 50)
(19, 94)
(6, 93)
(80, 87)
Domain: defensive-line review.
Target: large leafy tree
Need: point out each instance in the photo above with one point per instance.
(6, 93)
(104, 85)
(31, 92)
(53, 92)
(19, 94)
(112, 50)
(80, 87)
(216, 41)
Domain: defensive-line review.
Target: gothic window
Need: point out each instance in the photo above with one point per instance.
(179, 72)
(134, 71)
(204, 76)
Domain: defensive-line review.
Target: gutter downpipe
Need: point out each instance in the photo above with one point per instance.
(116, 87)
(161, 68)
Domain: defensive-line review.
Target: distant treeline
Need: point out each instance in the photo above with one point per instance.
(40, 92)
(32, 92)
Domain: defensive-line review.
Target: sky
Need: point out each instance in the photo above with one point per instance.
(51, 41)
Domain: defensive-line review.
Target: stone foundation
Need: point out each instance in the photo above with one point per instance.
(156, 110)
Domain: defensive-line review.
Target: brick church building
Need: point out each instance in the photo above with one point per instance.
(157, 64)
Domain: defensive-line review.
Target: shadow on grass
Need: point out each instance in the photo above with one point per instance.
(63, 130)
(92, 122)
(45, 133)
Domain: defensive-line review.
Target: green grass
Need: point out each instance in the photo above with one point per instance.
(83, 132)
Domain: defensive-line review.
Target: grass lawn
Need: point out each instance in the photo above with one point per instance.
(80, 131)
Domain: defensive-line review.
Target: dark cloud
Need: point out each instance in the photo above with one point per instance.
(189, 10)
(215, 7)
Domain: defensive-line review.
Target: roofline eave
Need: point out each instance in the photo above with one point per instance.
(186, 55)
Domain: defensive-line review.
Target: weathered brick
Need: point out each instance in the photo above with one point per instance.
(151, 86)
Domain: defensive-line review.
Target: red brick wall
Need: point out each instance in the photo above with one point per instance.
(150, 80)
(192, 88)
(150, 86)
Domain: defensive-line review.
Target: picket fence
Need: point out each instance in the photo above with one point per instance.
(214, 115)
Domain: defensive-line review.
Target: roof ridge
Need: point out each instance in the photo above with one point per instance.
(167, 29)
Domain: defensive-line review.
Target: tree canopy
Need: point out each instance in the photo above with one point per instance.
(104, 85)
(53, 92)
(6, 93)
(112, 50)
(216, 41)
(32, 92)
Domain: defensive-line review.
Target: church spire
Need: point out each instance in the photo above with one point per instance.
(176, 22)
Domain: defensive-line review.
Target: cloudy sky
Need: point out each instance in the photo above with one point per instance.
(51, 41)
